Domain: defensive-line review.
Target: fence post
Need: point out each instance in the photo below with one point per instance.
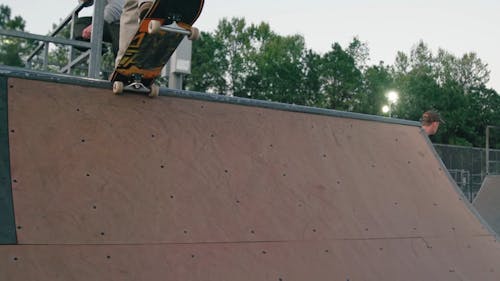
(487, 150)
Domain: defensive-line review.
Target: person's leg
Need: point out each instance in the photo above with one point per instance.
(129, 23)
(114, 35)
(144, 6)
(106, 33)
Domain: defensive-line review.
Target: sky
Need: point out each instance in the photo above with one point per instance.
(387, 26)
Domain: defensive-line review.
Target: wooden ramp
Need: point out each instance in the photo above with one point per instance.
(197, 187)
(487, 201)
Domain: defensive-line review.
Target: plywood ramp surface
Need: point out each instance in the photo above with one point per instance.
(132, 188)
(487, 201)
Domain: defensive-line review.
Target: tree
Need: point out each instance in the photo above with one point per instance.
(278, 70)
(222, 59)
(341, 80)
(473, 73)
(455, 86)
(208, 66)
(312, 79)
(377, 82)
(360, 52)
(251, 61)
(236, 47)
(469, 71)
(12, 50)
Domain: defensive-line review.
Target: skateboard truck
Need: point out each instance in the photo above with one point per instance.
(155, 27)
(136, 86)
(139, 67)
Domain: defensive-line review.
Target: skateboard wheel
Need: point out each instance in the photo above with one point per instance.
(155, 91)
(118, 87)
(154, 27)
(195, 34)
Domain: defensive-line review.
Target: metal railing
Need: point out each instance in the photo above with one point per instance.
(467, 165)
(93, 54)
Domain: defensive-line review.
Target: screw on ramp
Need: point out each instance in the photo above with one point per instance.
(189, 188)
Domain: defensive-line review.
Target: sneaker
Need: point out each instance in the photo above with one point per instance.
(144, 8)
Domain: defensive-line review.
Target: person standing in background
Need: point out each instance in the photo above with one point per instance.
(430, 122)
(112, 14)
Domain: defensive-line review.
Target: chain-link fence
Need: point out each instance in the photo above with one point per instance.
(467, 165)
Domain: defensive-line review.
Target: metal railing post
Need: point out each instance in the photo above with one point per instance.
(71, 54)
(45, 56)
(58, 29)
(96, 39)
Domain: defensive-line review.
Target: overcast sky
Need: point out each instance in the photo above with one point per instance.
(388, 26)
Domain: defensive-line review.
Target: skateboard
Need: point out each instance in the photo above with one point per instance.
(160, 33)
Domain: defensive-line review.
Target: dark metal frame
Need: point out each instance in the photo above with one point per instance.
(7, 220)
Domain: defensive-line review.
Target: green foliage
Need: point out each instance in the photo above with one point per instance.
(360, 52)
(235, 52)
(277, 72)
(209, 63)
(253, 61)
(7, 22)
(377, 82)
(12, 50)
(311, 80)
(455, 86)
(340, 78)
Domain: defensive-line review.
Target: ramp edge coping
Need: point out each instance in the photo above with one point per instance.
(16, 72)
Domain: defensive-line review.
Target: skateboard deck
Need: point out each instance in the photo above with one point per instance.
(160, 33)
